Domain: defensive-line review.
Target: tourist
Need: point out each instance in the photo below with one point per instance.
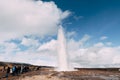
(11, 71)
(8, 71)
(14, 70)
(21, 69)
(3, 69)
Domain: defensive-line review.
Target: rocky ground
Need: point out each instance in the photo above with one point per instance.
(81, 74)
(48, 73)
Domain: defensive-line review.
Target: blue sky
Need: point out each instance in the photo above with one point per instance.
(28, 31)
(94, 17)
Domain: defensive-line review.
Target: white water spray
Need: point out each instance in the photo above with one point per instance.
(63, 64)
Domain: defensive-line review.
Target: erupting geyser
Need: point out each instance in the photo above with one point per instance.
(63, 64)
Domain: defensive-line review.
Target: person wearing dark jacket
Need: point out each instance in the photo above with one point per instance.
(7, 71)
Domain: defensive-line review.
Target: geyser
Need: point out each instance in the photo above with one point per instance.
(63, 64)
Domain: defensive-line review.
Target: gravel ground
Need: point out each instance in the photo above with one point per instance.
(47, 74)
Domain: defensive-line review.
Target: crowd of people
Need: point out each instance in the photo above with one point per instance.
(16, 70)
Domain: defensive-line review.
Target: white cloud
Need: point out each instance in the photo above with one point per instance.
(98, 55)
(84, 39)
(71, 34)
(109, 43)
(30, 42)
(100, 44)
(19, 18)
(103, 37)
(52, 45)
(77, 44)
(116, 59)
(26, 17)
(8, 47)
(78, 17)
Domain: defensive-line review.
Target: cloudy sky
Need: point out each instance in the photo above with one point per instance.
(28, 31)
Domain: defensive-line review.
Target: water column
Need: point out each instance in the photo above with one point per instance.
(62, 51)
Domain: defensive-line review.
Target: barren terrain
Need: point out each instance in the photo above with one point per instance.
(48, 73)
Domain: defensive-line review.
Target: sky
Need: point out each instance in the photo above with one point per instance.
(28, 31)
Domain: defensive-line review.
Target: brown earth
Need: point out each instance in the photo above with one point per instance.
(82, 74)
(47, 73)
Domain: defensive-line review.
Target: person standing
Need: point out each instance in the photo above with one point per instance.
(21, 69)
(14, 70)
(7, 72)
(3, 69)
